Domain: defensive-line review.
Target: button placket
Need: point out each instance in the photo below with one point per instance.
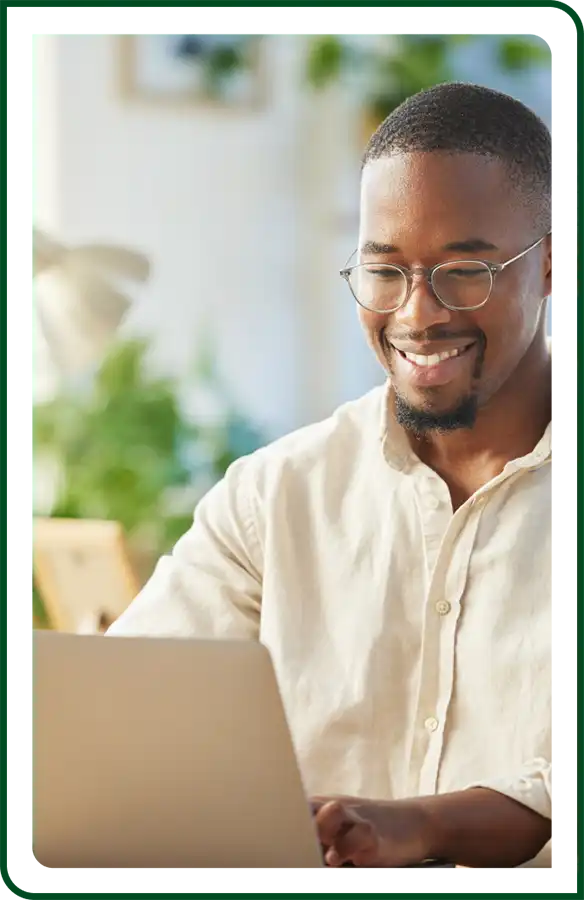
(428, 731)
(432, 495)
(436, 674)
(443, 607)
(435, 519)
(453, 586)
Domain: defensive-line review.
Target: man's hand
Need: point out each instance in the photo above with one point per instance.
(476, 828)
(368, 833)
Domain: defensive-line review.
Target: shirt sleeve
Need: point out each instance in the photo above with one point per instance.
(532, 786)
(210, 586)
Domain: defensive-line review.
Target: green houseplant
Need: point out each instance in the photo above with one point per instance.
(127, 451)
(388, 72)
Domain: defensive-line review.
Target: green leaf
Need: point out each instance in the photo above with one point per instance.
(517, 54)
(123, 443)
(325, 60)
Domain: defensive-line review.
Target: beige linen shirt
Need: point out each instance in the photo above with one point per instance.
(411, 643)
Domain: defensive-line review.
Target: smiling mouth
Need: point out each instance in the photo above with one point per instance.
(433, 359)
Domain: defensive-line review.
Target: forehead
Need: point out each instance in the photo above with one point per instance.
(450, 196)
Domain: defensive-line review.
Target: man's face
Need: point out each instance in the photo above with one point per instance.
(420, 209)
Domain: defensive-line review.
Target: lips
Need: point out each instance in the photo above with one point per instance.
(433, 367)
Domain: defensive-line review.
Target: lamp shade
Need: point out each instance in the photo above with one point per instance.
(81, 296)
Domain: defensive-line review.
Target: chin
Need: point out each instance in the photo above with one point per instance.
(424, 416)
(431, 399)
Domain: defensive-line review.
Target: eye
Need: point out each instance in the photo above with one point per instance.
(383, 272)
(467, 272)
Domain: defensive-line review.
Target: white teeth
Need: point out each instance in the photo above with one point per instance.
(433, 359)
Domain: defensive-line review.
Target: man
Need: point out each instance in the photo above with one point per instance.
(396, 557)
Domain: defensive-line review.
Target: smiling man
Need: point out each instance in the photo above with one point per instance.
(396, 557)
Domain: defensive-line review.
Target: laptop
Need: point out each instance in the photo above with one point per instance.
(163, 752)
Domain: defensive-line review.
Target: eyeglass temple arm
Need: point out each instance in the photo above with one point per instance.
(504, 265)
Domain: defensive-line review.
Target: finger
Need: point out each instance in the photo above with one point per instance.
(333, 820)
(316, 803)
(359, 845)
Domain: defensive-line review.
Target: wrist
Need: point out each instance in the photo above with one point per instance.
(436, 842)
(418, 824)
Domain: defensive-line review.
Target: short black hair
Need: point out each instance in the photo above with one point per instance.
(467, 118)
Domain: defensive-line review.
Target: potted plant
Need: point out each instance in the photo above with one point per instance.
(128, 451)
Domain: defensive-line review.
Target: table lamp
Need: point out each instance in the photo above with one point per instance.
(81, 296)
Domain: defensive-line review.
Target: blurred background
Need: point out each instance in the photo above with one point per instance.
(195, 197)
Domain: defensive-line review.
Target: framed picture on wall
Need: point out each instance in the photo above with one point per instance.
(221, 70)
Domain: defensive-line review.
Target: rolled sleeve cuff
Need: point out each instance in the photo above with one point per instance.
(532, 787)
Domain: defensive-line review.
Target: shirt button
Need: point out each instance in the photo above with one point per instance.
(432, 503)
(431, 724)
(443, 607)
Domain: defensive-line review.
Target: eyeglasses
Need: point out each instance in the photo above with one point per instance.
(460, 284)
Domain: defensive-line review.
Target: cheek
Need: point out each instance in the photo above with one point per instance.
(509, 321)
(372, 324)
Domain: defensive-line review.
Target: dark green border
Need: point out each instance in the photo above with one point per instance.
(580, 385)
(15, 380)
(17, 876)
(257, 14)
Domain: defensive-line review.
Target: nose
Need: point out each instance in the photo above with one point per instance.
(422, 309)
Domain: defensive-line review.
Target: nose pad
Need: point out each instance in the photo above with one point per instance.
(422, 308)
(422, 279)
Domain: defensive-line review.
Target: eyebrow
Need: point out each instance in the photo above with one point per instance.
(471, 245)
(375, 247)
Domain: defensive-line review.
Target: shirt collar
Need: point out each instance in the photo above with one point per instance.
(399, 454)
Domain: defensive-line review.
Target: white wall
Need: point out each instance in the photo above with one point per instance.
(229, 206)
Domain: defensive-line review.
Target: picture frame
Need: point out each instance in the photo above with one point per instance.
(83, 573)
(189, 71)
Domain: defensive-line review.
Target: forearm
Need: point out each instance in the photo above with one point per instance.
(482, 828)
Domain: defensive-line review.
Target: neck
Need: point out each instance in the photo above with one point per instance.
(508, 426)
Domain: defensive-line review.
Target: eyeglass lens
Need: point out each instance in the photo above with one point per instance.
(384, 287)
